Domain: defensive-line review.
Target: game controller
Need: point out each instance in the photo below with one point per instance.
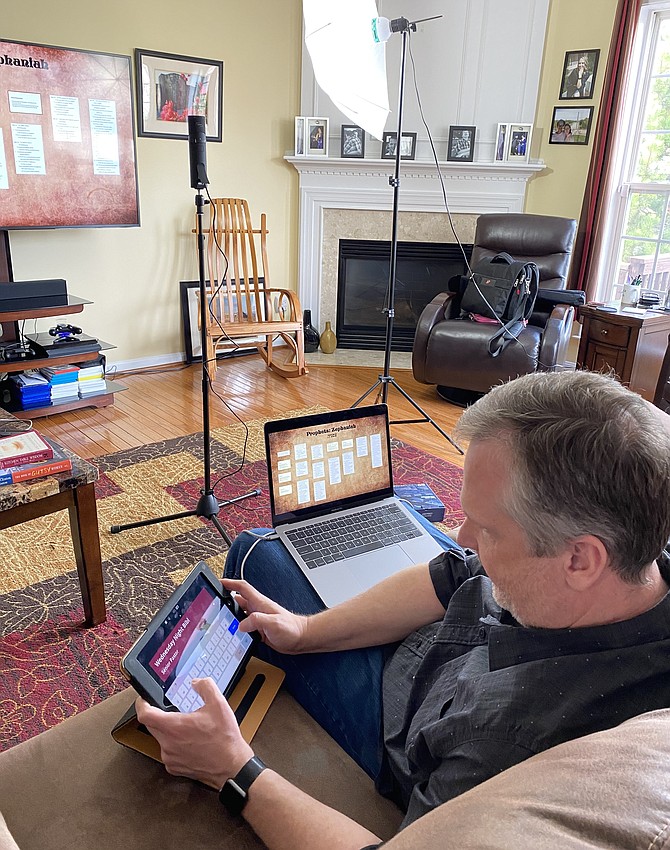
(65, 331)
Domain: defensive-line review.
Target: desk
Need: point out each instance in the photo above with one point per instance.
(75, 491)
(631, 343)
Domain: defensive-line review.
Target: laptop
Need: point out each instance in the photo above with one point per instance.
(332, 501)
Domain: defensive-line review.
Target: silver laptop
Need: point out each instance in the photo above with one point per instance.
(331, 495)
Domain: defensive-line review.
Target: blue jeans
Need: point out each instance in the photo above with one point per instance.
(342, 691)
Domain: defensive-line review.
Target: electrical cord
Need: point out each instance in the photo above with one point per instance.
(271, 535)
(470, 274)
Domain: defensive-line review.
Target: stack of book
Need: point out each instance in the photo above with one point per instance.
(30, 390)
(29, 455)
(91, 377)
(63, 382)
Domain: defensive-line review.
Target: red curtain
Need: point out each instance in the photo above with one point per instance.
(593, 217)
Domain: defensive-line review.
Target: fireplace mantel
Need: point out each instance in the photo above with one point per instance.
(331, 183)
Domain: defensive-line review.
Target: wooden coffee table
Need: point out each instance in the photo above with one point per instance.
(74, 490)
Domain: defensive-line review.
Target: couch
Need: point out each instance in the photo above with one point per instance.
(74, 787)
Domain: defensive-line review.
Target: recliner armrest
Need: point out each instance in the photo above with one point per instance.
(556, 337)
(441, 307)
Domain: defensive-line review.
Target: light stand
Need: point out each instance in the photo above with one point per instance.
(208, 505)
(384, 381)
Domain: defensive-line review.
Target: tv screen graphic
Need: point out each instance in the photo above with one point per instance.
(67, 138)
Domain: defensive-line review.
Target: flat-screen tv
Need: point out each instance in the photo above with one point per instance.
(67, 139)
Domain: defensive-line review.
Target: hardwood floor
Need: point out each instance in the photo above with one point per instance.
(161, 404)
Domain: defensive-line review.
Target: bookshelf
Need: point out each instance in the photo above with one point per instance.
(74, 305)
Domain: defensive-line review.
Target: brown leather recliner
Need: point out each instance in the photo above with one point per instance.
(452, 352)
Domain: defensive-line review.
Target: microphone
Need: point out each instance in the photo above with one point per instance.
(197, 150)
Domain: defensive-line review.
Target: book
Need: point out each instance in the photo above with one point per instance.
(422, 498)
(27, 447)
(60, 462)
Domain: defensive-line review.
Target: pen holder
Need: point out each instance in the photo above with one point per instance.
(630, 295)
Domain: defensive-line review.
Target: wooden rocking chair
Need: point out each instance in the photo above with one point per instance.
(242, 309)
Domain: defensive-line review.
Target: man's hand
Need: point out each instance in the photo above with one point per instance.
(206, 745)
(280, 629)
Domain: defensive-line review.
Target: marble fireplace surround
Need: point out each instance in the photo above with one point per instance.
(352, 199)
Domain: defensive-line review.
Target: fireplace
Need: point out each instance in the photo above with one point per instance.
(423, 270)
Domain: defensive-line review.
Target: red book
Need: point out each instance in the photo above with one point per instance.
(26, 447)
(60, 462)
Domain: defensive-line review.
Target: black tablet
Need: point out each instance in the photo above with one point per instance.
(194, 635)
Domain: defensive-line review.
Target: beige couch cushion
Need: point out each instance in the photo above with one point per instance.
(607, 791)
(74, 788)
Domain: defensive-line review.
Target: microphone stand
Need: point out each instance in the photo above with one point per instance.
(208, 505)
(386, 380)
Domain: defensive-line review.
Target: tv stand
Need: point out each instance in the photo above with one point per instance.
(74, 305)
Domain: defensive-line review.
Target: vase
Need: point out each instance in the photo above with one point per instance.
(328, 340)
(310, 332)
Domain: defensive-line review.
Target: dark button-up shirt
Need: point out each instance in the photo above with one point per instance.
(470, 696)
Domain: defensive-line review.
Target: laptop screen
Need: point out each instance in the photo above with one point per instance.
(328, 461)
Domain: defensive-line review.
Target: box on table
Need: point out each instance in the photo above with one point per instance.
(422, 499)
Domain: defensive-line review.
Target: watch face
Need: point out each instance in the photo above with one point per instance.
(233, 797)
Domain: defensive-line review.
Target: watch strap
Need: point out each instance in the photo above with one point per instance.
(235, 792)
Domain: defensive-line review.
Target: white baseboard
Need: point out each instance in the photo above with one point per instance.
(145, 362)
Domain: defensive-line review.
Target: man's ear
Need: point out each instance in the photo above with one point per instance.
(586, 560)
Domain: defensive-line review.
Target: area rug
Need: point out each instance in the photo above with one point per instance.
(50, 666)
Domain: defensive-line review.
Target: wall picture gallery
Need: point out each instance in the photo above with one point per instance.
(571, 124)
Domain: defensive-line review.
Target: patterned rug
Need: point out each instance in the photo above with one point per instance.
(51, 667)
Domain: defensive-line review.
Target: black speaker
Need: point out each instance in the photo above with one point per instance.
(197, 149)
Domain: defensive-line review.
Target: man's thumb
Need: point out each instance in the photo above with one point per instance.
(207, 690)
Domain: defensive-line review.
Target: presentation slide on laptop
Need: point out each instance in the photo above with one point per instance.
(198, 638)
(324, 463)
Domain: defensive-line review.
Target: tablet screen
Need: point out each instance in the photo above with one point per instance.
(199, 637)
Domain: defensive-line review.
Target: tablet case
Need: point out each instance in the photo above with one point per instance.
(250, 701)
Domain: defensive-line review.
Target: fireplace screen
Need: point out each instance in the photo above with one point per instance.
(423, 270)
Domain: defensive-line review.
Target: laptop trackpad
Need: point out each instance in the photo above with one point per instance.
(374, 566)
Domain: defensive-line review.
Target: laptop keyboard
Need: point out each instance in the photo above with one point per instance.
(354, 534)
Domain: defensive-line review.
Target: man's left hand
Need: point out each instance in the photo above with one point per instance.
(206, 744)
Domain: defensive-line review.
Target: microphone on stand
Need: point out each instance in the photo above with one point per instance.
(197, 150)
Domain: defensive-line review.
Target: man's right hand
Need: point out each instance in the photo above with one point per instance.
(280, 629)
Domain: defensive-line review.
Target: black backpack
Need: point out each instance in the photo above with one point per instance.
(501, 290)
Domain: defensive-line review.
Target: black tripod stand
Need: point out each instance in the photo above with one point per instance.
(208, 505)
(403, 26)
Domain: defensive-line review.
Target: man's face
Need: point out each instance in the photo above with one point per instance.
(530, 588)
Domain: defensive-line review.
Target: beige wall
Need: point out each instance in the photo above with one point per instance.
(133, 274)
(572, 25)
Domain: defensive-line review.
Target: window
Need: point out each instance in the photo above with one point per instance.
(639, 239)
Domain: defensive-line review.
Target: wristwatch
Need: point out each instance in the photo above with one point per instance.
(235, 792)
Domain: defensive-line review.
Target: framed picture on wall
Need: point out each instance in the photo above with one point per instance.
(352, 141)
(316, 137)
(518, 142)
(571, 125)
(172, 87)
(461, 144)
(579, 74)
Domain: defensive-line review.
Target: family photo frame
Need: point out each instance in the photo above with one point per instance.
(352, 141)
(513, 142)
(579, 74)
(316, 137)
(407, 145)
(571, 125)
(461, 144)
(171, 87)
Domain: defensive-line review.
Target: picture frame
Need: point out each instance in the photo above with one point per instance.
(316, 137)
(502, 139)
(407, 145)
(579, 74)
(461, 144)
(352, 141)
(518, 142)
(170, 87)
(571, 125)
(300, 125)
(188, 298)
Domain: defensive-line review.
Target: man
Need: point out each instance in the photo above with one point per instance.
(559, 626)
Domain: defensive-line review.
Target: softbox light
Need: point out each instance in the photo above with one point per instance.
(349, 63)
